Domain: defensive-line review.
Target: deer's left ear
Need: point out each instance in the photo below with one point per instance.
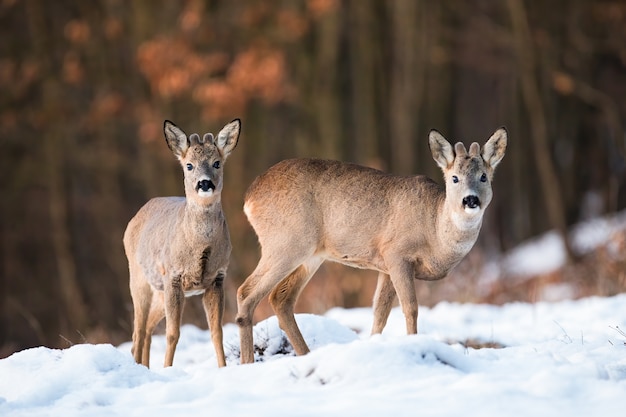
(228, 137)
(494, 149)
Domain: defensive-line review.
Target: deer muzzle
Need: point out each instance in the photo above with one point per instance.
(205, 187)
(471, 203)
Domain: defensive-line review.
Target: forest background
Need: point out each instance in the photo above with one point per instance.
(85, 87)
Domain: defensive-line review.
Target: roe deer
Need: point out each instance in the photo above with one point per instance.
(178, 247)
(305, 211)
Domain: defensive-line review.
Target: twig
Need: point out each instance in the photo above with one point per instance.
(567, 338)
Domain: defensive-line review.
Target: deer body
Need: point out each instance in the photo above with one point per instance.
(180, 246)
(305, 211)
(172, 220)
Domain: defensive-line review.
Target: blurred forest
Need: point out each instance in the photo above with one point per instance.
(85, 87)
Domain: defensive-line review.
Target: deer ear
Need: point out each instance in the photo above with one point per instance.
(176, 139)
(441, 149)
(228, 137)
(494, 149)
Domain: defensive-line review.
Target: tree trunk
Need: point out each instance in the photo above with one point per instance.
(362, 41)
(326, 103)
(539, 130)
(407, 82)
(73, 305)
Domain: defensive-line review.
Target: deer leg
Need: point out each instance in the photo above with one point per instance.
(157, 312)
(383, 301)
(213, 302)
(174, 301)
(141, 294)
(251, 292)
(283, 299)
(402, 279)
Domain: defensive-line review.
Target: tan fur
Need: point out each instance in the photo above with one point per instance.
(305, 211)
(178, 247)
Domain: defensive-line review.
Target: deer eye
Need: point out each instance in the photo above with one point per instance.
(483, 178)
(216, 164)
(189, 167)
(455, 179)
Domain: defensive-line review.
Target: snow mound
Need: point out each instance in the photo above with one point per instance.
(271, 342)
(87, 374)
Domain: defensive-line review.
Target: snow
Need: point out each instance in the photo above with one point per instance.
(564, 358)
(546, 253)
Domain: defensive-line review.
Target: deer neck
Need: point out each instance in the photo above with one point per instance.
(201, 219)
(456, 230)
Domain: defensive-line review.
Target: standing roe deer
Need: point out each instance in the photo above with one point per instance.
(305, 211)
(179, 247)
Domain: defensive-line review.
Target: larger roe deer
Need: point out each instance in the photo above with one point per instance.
(179, 247)
(305, 211)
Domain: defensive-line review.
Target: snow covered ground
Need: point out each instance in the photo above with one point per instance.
(552, 359)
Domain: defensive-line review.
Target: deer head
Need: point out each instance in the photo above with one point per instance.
(202, 159)
(468, 175)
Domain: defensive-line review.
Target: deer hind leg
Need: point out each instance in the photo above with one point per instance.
(174, 300)
(157, 313)
(383, 301)
(283, 299)
(213, 302)
(268, 273)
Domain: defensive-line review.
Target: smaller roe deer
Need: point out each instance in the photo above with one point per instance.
(305, 211)
(179, 247)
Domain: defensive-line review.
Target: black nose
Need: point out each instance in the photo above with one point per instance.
(471, 201)
(205, 185)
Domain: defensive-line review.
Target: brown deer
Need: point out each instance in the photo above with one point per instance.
(305, 211)
(179, 246)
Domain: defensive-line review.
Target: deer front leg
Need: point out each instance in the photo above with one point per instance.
(174, 300)
(141, 294)
(213, 302)
(383, 301)
(157, 312)
(401, 274)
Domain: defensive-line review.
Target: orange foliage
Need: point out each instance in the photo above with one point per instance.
(219, 99)
(172, 67)
(7, 72)
(257, 73)
(149, 122)
(260, 72)
(73, 71)
(191, 16)
(254, 14)
(105, 107)
(77, 31)
(293, 24)
(16, 78)
(318, 8)
(113, 28)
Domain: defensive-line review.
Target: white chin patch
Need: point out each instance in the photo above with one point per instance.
(470, 210)
(207, 193)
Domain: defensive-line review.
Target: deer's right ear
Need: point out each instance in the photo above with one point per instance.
(176, 139)
(441, 149)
